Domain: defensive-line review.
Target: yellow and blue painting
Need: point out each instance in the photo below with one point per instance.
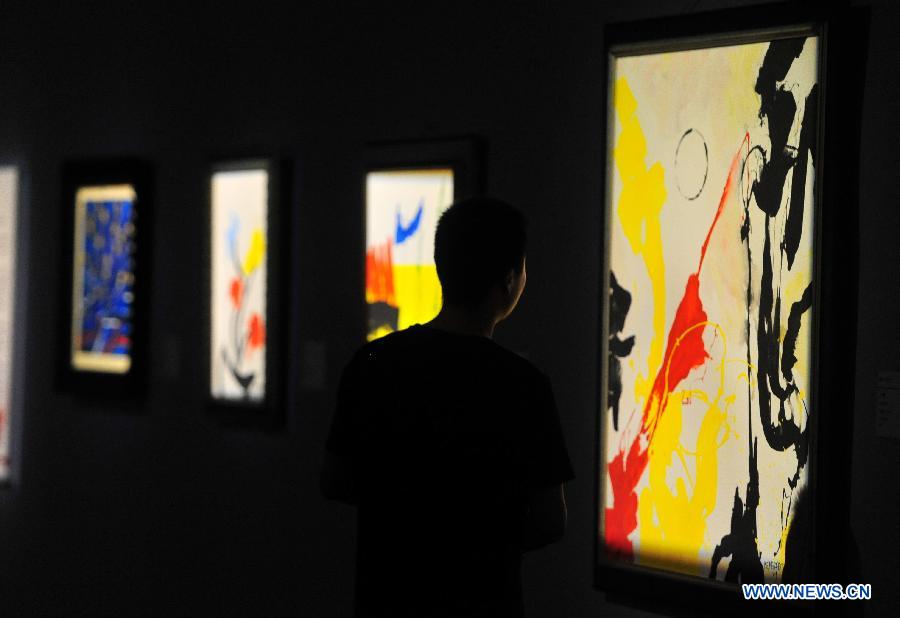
(402, 211)
(103, 279)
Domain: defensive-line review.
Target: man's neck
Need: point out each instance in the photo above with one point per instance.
(465, 321)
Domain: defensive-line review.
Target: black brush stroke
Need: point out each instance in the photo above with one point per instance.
(619, 304)
(785, 433)
(778, 106)
(789, 358)
(806, 146)
(705, 169)
(740, 543)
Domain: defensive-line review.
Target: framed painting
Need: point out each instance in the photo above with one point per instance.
(9, 241)
(711, 401)
(244, 291)
(407, 187)
(107, 220)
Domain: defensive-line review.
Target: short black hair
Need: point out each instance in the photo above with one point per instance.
(478, 240)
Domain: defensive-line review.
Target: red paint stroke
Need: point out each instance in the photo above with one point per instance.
(685, 351)
(725, 193)
(380, 274)
(621, 519)
(256, 332)
(236, 291)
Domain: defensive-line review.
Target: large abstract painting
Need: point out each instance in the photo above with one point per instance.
(8, 212)
(103, 279)
(239, 284)
(402, 211)
(711, 207)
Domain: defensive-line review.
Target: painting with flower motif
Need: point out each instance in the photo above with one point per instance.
(402, 211)
(239, 202)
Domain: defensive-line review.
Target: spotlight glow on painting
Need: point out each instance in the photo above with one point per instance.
(402, 211)
(239, 271)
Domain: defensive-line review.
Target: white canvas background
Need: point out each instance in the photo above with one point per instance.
(389, 190)
(241, 194)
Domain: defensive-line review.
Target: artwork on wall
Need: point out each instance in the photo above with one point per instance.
(402, 211)
(407, 187)
(103, 278)
(244, 287)
(8, 240)
(707, 416)
(107, 211)
(239, 267)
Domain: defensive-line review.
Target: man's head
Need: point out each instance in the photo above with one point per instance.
(479, 250)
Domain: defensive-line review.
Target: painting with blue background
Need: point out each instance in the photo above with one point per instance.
(108, 295)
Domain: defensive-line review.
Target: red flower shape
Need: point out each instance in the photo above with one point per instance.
(237, 290)
(256, 332)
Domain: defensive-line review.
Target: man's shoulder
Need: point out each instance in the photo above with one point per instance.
(519, 365)
(387, 344)
(381, 351)
(416, 341)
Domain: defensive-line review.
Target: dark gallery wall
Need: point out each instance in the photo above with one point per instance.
(155, 507)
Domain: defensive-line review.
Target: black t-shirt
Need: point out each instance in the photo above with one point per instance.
(446, 434)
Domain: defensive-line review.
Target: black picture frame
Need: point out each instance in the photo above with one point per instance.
(464, 155)
(93, 383)
(266, 413)
(842, 35)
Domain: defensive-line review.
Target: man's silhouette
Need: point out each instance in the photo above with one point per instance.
(449, 444)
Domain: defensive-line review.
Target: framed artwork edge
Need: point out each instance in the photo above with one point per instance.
(266, 414)
(641, 585)
(18, 357)
(99, 386)
(465, 155)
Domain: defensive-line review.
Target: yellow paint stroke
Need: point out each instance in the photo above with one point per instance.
(256, 252)
(673, 524)
(418, 293)
(379, 332)
(640, 202)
